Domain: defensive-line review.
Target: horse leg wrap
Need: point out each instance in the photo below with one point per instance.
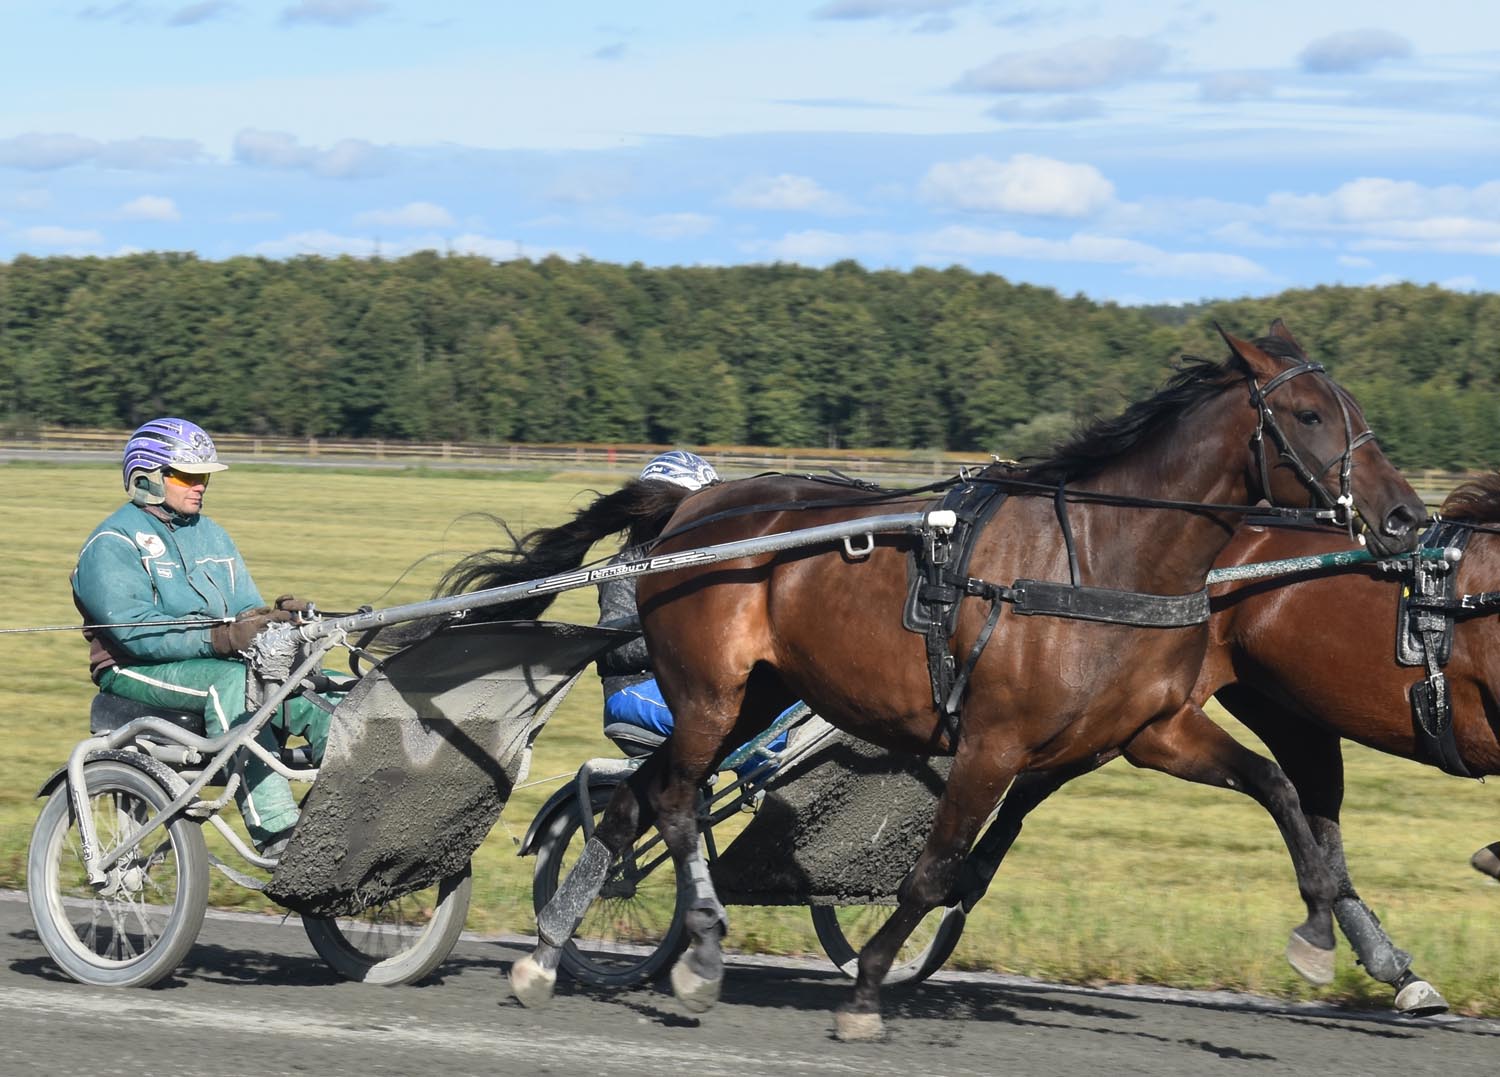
(1380, 957)
(705, 899)
(562, 915)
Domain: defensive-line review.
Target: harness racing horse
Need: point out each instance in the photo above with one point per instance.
(733, 644)
(1301, 700)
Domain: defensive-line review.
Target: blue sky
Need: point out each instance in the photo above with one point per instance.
(1149, 151)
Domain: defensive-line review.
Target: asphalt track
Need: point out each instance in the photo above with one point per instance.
(253, 999)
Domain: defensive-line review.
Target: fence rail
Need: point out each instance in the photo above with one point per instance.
(916, 465)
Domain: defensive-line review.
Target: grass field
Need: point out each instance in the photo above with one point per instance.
(1126, 877)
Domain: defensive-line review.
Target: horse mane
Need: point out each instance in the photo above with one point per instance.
(1104, 440)
(1477, 500)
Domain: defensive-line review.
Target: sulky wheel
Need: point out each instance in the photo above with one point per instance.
(634, 929)
(138, 926)
(844, 929)
(399, 941)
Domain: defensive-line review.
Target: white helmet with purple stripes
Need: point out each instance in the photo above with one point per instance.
(166, 444)
(681, 468)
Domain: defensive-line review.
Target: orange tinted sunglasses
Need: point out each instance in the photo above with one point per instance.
(182, 478)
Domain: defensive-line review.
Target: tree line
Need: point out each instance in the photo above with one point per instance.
(454, 347)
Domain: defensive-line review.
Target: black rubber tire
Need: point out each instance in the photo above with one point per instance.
(843, 929)
(398, 942)
(627, 937)
(161, 887)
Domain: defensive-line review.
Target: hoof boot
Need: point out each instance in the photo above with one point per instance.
(858, 1027)
(1420, 999)
(531, 984)
(1313, 963)
(695, 993)
(1486, 861)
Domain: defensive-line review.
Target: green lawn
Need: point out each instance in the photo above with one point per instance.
(1126, 877)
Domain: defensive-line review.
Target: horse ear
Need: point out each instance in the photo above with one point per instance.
(1281, 332)
(1260, 364)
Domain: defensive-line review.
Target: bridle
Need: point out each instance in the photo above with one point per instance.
(1340, 510)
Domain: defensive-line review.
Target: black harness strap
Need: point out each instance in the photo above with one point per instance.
(1424, 636)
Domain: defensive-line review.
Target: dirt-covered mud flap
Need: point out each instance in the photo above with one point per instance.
(841, 826)
(422, 756)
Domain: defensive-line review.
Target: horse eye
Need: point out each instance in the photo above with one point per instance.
(1309, 418)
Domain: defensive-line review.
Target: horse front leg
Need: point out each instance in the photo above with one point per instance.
(534, 978)
(1313, 760)
(1023, 797)
(974, 787)
(1190, 746)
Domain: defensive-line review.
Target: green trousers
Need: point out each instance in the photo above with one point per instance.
(215, 688)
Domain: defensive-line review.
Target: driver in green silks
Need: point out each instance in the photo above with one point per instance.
(158, 559)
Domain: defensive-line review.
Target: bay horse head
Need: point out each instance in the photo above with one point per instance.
(1318, 435)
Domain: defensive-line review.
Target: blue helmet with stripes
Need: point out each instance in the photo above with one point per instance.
(165, 443)
(681, 468)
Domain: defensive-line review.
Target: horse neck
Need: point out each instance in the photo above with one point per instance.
(1201, 460)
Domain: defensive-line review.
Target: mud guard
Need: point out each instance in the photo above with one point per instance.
(841, 827)
(422, 756)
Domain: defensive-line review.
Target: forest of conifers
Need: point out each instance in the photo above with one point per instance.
(433, 347)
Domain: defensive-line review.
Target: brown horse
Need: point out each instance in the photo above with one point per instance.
(1306, 661)
(735, 643)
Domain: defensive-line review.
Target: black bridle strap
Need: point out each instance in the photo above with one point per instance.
(1341, 506)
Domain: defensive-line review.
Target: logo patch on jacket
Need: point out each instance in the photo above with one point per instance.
(152, 544)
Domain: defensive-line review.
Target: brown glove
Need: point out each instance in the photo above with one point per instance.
(293, 604)
(234, 637)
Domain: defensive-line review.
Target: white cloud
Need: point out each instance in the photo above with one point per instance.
(1460, 284)
(1230, 86)
(1354, 261)
(1352, 50)
(1057, 110)
(1141, 258)
(331, 12)
(411, 215)
(880, 9)
(193, 14)
(1088, 64)
(37, 151)
(57, 238)
(346, 159)
(787, 193)
(1025, 183)
(1391, 214)
(149, 207)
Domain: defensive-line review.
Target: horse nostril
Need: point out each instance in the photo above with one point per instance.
(1400, 522)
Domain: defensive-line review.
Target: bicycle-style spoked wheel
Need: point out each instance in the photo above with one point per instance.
(633, 929)
(138, 926)
(844, 929)
(398, 941)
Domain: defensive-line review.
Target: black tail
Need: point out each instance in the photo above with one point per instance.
(642, 507)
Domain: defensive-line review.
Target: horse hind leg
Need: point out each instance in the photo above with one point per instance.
(533, 978)
(1190, 746)
(1313, 760)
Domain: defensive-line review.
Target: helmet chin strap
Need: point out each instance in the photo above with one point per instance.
(148, 488)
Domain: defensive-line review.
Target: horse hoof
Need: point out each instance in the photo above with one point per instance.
(695, 992)
(857, 1027)
(1487, 861)
(1313, 963)
(530, 983)
(1420, 999)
